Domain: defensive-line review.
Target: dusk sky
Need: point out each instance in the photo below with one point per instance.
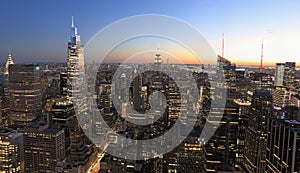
(39, 30)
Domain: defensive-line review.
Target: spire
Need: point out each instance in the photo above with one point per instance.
(8, 62)
(158, 53)
(74, 37)
(72, 25)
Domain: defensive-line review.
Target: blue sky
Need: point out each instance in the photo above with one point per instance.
(39, 30)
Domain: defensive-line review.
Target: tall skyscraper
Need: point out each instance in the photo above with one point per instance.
(11, 151)
(157, 60)
(75, 65)
(24, 94)
(261, 110)
(5, 99)
(80, 150)
(279, 74)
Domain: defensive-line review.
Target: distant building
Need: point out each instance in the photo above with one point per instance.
(242, 82)
(225, 68)
(24, 94)
(283, 148)
(289, 74)
(11, 151)
(279, 74)
(44, 147)
(6, 74)
(280, 97)
(5, 97)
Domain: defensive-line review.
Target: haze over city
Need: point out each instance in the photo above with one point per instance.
(37, 31)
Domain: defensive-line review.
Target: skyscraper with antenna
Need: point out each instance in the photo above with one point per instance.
(75, 64)
(157, 60)
(79, 151)
(261, 57)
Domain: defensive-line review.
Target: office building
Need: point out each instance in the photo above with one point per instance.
(24, 94)
(261, 110)
(44, 147)
(227, 69)
(243, 118)
(279, 74)
(11, 151)
(289, 75)
(221, 150)
(283, 148)
(280, 97)
(63, 84)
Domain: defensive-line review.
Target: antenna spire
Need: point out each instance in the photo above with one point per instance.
(222, 45)
(261, 57)
(72, 22)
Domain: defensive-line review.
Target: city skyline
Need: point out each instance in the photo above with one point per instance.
(36, 34)
(120, 107)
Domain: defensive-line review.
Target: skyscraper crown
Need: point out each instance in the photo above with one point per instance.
(8, 62)
(74, 37)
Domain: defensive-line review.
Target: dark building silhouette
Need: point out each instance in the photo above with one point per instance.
(221, 149)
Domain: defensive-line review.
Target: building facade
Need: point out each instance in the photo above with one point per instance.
(25, 94)
(11, 151)
(44, 147)
(261, 110)
(283, 148)
(279, 74)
